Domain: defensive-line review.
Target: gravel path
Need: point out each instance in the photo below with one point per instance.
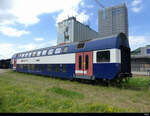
(3, 70)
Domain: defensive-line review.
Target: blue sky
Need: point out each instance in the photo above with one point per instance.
(32, 24)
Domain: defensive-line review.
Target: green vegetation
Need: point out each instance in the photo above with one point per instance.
(21, 92)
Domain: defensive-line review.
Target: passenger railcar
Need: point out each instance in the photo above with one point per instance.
(103, 58)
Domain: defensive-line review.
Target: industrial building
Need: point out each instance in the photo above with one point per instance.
(71, 30)
(140, 61)
(5, 64)
(113, 20)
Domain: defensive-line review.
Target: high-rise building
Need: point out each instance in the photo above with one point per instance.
(71, 30)
(113, 20)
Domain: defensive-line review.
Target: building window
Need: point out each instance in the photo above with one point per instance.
(57, 51)
(50, 52)
(103, 56)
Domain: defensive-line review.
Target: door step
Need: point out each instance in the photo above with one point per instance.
(85, 77)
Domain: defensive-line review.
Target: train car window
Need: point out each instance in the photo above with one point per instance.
(80, 62)
(86, 62)
(103, 56)
(22, 55)
(50, 52)
(57, 68)
(49, 68)
(81, 45)
(32, 67)
(26, 55)
(64, 68)
(65, 49)
(30, 54)
(44, 52)
(39, 53)
(28, 66)
(33, 54)
(57, 51)
(43, 67)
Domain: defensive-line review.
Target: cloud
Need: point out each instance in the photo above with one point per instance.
(138, 41)
(136, 6)
(6, 50)
(39, 39)
(12, 32)
(81, 17)
(27, 11)
(16, 48)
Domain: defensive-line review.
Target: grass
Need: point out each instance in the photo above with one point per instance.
(30, 93)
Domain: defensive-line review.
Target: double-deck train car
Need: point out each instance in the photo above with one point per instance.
(102, 58)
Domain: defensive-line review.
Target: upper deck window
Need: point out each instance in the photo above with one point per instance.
(57, 51)
(103, 56)
(23, 55)
(44, 52)
(33, 54)
(18, 55)
(26, 55)
(30, 54)
(65, 49)
(81, 45)
(50, 52)
(39, 53)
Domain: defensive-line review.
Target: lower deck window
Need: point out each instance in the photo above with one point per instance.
(43, 67)
(57, 67)
(103, 56)
(49, 68)
(64, 68)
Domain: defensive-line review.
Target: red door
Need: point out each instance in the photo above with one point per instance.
(84, 64)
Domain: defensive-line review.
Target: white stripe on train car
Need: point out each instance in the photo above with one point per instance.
(115, 55)
(55, 59)
(80, 72)
(85, 72)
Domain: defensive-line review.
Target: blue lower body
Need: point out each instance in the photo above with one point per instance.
(70, 70)
(100, 71)
(106, 70)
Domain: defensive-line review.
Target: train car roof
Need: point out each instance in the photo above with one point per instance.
(110, 42)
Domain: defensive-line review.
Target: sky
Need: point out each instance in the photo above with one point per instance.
(32, 24)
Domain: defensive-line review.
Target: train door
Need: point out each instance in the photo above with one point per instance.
(84, 64)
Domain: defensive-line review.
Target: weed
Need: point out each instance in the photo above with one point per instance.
(67, 93)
